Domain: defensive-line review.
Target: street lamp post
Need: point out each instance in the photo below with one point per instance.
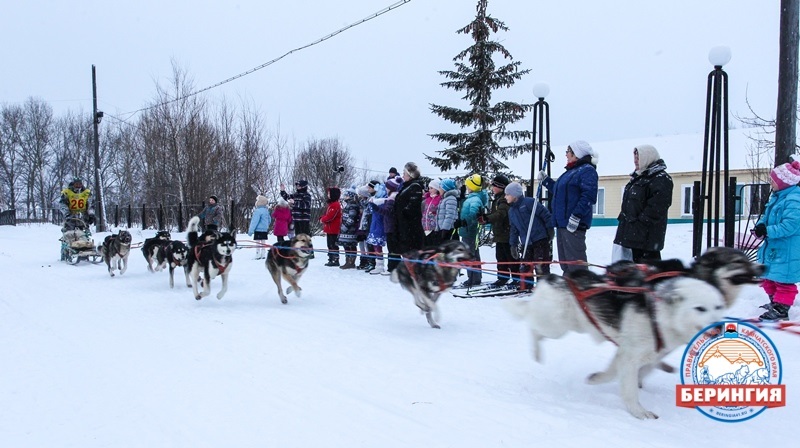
(97, 116)
(541, 123)
(715, 181)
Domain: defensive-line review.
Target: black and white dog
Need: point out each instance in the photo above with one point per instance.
(115, 250)
(210, 255)
(426, 274)
(290, 263)
(647, 311)
(153, 249)
(177, 254)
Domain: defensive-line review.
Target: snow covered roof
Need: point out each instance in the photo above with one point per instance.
(681, 153)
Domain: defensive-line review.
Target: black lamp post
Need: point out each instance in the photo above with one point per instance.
(97, 116)
(715, 182)
(541, 128)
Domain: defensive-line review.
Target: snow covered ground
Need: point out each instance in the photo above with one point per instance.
(92, 361)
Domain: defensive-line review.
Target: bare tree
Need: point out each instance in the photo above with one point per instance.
(324, 163)
(37, 153)
(11, 118)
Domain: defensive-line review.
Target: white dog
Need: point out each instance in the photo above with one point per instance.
(645, 326)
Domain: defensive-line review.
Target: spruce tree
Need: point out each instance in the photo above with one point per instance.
(480, 150)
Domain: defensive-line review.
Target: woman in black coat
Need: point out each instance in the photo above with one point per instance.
(648, 195)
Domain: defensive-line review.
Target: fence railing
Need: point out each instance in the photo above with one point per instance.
(170, 217)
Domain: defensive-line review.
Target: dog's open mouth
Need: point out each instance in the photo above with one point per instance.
(742, 279)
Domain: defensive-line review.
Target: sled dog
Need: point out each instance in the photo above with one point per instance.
(115, 250)
(210, 255)
(290, 263)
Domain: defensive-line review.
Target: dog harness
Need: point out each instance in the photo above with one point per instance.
(581, 295)
(220, 268)
(278, 253)
(411, 271)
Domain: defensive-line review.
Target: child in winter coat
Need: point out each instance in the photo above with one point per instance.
(780, 252)
(376, 238)
(536, 245)
(331, 224)
(282, 216)
(363, 227)
(474, 204)
(498, 218)
(259, 226)
(212, 215)
(386, 210)
(351, 218)
(447, 211)
(430, 204)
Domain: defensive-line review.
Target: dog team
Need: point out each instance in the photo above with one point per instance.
(645, 306)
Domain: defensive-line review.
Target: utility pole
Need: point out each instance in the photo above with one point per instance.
(786, 117)
(96, 117)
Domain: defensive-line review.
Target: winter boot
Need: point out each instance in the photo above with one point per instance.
(776, 312)
(378, 267)
(362, 263)
(332, 262)
(350, 262)
(767, 306)
(370, 265)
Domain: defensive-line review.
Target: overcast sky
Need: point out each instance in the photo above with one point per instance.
(616, 69)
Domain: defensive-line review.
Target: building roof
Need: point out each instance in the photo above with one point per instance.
(681, 153)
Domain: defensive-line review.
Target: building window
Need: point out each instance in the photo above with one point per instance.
(686, 200)
(600, 204)
(751, 198)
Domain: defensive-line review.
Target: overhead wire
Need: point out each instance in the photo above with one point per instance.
(268, 63)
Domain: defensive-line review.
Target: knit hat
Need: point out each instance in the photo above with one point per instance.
(786, 175)
(393, 171)
(647, 155)
(214, 198)
(394, 183)
(500, 181)
(261, 200)
(282, 202)
(373, 183)
(435, 183)
(302, 183)
(474, 182)
(514, 189)
(411, 169)
(350, 192)
(448, 184)
(581, 149)
(363, 191)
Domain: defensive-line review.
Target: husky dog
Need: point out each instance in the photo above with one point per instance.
(426, 274)
(727, 269)
(115, 250)
(210, 254)
(645, 323)
(290, 263)
(153, 249)
(177, 254)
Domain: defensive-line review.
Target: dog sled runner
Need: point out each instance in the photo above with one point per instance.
(77, 243)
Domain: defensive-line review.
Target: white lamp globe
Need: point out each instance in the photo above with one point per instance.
(719, 56)
(541, 90)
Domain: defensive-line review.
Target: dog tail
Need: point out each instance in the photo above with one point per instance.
(517, 307)
(191, 231)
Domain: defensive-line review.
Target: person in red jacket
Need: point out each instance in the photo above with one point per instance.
(281, 218)
(331, 224)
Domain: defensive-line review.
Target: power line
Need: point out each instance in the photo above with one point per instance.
(268, 63)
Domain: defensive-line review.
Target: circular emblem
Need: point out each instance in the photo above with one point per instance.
(731, 371)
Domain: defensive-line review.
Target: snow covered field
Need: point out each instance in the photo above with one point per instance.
(93, 361)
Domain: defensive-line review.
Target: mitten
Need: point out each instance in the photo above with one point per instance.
(514, 252)
(760, 230)
(458, 223)
(572, 226)
(542, 176)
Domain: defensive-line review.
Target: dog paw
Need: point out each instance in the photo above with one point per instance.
(643, 414)
(220, 296)
(431, 322)
(284, 301)
(198, 297)
(298, 291)
(598, 378)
